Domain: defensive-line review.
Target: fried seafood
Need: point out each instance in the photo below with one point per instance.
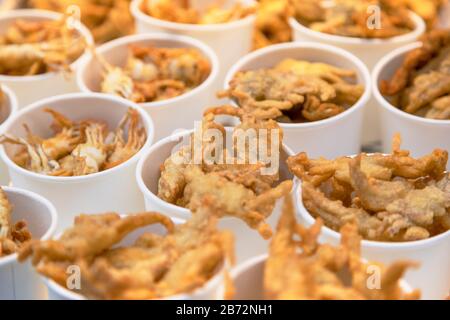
(391, 197)
(239, 181)
(37, 47)
(355, 18)
(154, 266)
(79, 148)
(295, 90)
(306, 270)
(155, 74)
(12, 235)
(106, 19)
(421, 85)
(183, 11)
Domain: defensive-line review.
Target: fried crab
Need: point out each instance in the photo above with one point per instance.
(12, 235)
(300, 268)
(392, 197)
(78, 148)
(421, 85)
(155, 74)
(295, 90)
(36, 47)
(154, 266)
(239, 186)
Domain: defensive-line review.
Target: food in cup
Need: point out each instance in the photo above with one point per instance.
(428, 9)
(12, 235)
(37, 47)
(79, 148)
(304, 269)
(271, 24)
(355, 18)
(240, 187)
(153, 266)
(182, 11)
(155, 74)
(421, 85)
(295, 91)
(391, 197)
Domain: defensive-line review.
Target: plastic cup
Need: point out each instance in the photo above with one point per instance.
(7, 109)
(318, 138)
(166, 113)
(419, 134)
(110, 190)
(248, 242)
(32, 88)
(19, 280)
(432, 277)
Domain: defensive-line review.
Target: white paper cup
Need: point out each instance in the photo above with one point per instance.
(168, 115)
(230, 40)
(433, 275)
(32, 88)
(110, 190)
(208, 291)
(420, 135)
(318, 138)
(248, 242)
(8, 108)
(19, 280)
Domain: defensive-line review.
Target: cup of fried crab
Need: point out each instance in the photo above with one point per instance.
(298, 267)
(79, 151)
(168, 76)
(317, 94)
(412, 88)
(400, 204)
(225, 26)
(242, 168)
(8, 107)
(138, 256)
(38, 52)
(24, 215)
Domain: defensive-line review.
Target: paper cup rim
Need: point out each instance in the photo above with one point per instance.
(149, 195)
(305, 45)
(416, 244)
(379, 67)
(46, 14)
(139, 15)
(146, 119)
(13, 105)
(343, 40)
(50, 208)
(205, 50)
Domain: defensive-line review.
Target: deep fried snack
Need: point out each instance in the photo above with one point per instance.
(421, 85)
(37, 47)
(306, 270)
(155, 266)
(391, 197)
(155, 74)
(12, 235)
(295, 90)
(427, 9)
(79, 148)
(355, 18)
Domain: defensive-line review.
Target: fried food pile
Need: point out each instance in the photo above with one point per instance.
(421, 85)
(355, 18)
(12, 235)
(155, 74)
(36, 47)
(427, 9)
(306, 270)
(79, 148)
(106, 19)
(238, 186)
(295, 90)
(271, 24)
(392, 197)
(182, 11)
(154, 266)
